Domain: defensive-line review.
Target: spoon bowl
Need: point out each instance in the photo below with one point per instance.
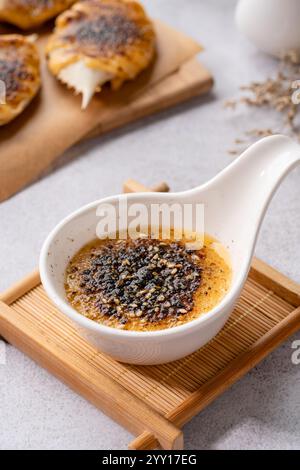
(234, 204)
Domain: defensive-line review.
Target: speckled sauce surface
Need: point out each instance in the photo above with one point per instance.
(146, 284)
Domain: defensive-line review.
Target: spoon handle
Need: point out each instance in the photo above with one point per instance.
(237, 198)
(254, 178)
(261, 169)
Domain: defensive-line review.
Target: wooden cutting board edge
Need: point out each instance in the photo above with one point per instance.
(192, 79)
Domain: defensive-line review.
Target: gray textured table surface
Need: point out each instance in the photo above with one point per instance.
(185, 146)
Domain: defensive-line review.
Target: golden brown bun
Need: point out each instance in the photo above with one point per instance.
(19, 72)
(30, 13)
(114, 36)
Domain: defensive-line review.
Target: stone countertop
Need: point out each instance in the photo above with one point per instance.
(184, 146)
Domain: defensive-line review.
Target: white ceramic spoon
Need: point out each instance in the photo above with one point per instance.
(235, 202)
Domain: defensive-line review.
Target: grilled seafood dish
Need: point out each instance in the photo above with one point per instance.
(28, 14)
(19, 75)
(100, 41)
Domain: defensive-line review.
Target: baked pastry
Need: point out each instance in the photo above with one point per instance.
(99, 41)
(19, 75)
(30, 13)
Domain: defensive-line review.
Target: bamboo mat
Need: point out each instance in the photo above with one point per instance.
(154, 401)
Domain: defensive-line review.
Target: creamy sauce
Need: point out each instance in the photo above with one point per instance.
(208, 273)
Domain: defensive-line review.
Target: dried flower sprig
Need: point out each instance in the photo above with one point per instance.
(275, 94)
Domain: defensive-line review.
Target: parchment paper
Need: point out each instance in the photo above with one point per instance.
(54, 121)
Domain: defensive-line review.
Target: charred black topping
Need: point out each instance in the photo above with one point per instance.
(142, 278)
(109, 33)
(12, 73)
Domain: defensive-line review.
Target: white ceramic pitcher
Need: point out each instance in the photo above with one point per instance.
(272, 25)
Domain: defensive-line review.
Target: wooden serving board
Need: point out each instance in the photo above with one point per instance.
(54, 122)
(190, 80)
(154, 402)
